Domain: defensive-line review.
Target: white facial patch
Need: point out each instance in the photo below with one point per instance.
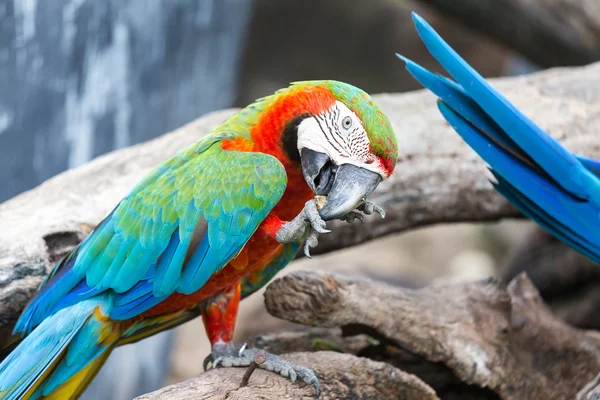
(338, 133)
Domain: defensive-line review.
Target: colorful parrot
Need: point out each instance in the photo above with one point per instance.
(203, 230)
(554, 187)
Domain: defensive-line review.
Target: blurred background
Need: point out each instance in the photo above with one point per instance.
(84, 77)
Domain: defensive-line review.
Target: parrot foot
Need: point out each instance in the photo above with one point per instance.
(295, 230)
(366, 208)
(352, 216)
(228, 355)
(370, 208)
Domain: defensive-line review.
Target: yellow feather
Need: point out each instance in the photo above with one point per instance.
(43, 377)
(74, 387)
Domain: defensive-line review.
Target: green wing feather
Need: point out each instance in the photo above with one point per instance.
(230, 192)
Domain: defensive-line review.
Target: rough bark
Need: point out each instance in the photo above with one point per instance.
(491, 336)
(568, 281)
(347, 377)
(548, 32)
(437, 375)
(437, 179)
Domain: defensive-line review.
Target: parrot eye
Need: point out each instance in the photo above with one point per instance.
(347, 123)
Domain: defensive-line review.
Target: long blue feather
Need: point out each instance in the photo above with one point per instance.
(41, 349)
(557, 161)
(557, 189)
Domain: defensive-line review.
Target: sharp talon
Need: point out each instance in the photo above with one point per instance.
(321, 230)
(307, 250)
(317, 388)
(207, 360)
(216, 363)
(241, 352)
(370, 208)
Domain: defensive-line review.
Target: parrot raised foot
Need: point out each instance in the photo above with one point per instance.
(229, 355)
(295, 230)
(366, 208)
(369, 208)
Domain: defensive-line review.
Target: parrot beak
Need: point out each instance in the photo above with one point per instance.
(346, 186)
(318, 171)
(351, 187)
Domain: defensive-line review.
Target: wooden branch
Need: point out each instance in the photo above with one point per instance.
(488, 335)
(568, 281)
(548, 32)
(438, 178)
(378, 348)
(347, 377)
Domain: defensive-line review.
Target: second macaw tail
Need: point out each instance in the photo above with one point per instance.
(59, 358)
(546, 182)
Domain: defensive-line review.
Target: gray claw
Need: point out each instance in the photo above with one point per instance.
(352, 216)
(295, 230)
(242, 349)
(314, 218)
(369, 208)
(307, 250)
(320, 229)
(311, 241)
(215, 364)
(207, 360)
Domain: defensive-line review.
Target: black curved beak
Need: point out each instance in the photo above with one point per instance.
(318, 171)
(346, 186)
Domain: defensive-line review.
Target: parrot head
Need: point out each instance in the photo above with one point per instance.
(346, 145)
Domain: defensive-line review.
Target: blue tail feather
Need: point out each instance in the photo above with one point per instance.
(535, 186)
(549, 184)
(560, 231)
(557, 161)
(42, 350)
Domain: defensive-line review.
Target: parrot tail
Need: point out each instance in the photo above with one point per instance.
(59, 358)
(546, 182)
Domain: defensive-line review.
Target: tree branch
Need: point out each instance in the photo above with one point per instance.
(347, 377)
(548, 32)
(438, 178)
(567, 280)
(488, 335)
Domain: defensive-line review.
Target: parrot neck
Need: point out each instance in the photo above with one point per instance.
(276, 130)
(275, 133)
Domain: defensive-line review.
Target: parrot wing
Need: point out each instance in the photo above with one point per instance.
(178, 226)
(545, 181)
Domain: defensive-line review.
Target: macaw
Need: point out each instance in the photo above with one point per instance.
(546, 182)
(204, 229)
